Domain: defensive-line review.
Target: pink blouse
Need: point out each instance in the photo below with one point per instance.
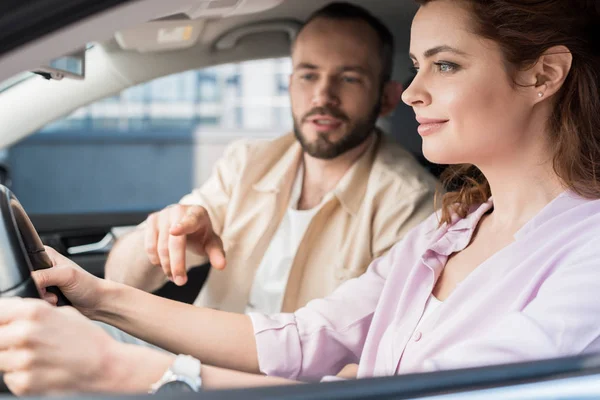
(539, 297)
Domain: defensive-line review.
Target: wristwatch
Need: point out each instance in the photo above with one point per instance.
(182, 376)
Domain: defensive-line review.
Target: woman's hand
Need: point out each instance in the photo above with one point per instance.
(56, 350)
(83, 289)
(348, 372)
(45, 349)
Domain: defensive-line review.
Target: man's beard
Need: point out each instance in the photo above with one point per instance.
(322, 148)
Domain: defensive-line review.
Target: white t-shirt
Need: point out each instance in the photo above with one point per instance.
(270, 281)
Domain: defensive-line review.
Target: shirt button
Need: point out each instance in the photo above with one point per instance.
(417, 336)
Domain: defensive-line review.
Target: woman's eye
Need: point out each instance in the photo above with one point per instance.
(446, 67)
(414, 69)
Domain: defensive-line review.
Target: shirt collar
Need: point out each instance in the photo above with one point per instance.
(350, 190)
(472, 218)
(297, 187)
(560, 204)
(283, 170)
(563, 202)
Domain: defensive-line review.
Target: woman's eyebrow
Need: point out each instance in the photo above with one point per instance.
(440, 49)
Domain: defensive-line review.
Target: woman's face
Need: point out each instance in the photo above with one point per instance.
(468, 108)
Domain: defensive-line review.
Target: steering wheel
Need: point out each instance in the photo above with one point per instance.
(21, 251)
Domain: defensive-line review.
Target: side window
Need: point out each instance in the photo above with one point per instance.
(149, 145)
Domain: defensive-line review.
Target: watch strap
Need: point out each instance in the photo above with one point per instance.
(185, 369)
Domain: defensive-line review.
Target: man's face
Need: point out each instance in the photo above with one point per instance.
(335, 86)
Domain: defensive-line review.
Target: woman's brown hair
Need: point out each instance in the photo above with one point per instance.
(524, 30)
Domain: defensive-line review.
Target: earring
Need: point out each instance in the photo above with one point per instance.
(540, 94)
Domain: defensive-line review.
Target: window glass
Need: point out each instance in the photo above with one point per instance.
(147, 146)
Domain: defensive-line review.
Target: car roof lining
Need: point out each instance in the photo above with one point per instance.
(112, 69)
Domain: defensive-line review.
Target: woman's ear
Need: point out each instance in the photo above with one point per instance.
(390, 97)
(551, 71)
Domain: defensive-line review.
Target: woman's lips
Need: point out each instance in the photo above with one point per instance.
(428, 126)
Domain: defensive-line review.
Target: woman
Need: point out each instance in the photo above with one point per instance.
(510, 87)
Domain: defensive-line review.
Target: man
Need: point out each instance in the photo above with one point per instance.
(295, 217)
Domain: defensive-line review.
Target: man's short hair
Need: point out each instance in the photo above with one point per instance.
(348, 11)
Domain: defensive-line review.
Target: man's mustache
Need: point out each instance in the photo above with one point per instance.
(332, 112)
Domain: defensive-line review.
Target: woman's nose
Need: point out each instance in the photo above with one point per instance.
(416, 94)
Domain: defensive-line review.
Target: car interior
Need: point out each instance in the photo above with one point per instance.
(201, 34)
(63, 56)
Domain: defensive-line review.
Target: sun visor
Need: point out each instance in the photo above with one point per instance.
(183, 28)
(227, 8)
(160, 35)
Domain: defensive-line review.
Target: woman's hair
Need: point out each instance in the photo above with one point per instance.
(524, 30)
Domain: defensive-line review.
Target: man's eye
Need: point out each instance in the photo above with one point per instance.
(308, 77)
(350, 79)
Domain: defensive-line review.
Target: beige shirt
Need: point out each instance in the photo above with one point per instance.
(270, 279)
(384, 194)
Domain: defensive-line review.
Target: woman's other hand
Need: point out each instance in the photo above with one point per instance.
(83, 289)
(350, 371)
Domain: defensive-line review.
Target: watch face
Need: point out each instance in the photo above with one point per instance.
(175, 387)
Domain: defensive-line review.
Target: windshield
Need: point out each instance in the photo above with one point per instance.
(15, 80)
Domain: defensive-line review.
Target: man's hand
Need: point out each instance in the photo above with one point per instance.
(170, 231)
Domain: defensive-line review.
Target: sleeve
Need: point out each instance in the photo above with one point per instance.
(561, 320)
(325, 335)
(214, 195)
(400, 212)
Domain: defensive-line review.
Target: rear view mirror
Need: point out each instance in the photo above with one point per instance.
(68, 66)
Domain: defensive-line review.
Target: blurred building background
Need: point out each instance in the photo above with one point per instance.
(150, 144)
